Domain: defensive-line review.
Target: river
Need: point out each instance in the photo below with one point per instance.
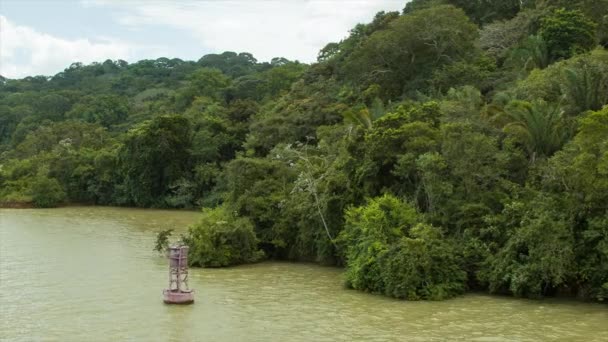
(89, 274)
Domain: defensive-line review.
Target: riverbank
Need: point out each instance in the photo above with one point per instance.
(16, 205)
(30, 205)
(130, 214)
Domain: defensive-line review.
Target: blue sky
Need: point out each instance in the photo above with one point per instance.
(39, 37)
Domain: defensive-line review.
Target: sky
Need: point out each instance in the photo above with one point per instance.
(43, 37)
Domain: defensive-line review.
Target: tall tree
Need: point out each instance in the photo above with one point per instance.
(154, 155)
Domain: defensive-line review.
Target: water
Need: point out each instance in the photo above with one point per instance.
(89, 274)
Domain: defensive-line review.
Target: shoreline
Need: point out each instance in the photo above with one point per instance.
(16, 205)
(558, 296)
(29, 205)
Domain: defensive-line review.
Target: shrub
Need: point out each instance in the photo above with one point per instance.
(46, 192)
(222, 239)
(539, 255)
(387, 252)
(162, 240)
(367, 235)
(423, 266)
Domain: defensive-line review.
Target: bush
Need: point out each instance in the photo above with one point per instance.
(539, 257)
(422, 267)
(222, 239)
(368, 232)
(46, 192)
(388, 253)
(162, 240)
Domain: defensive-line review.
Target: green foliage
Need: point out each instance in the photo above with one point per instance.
(230, 63)
(336, 52)
(480, 11)
(393, 144)
(153, 157)
(222, 239)
(477, 73)
(567, 33)
(539, 126)
(578, 84)
(368, 233)
(586, 84)
(46, 192)
(388, 252)
(162, 240)
(476, 129)
(295, 117)
(531, 53)
(593, 9)
(106, 110)
(498, 37)
(205, 82)
(538, 257)
(257, 188)
(422, 266)
(430, 38)
(580, 172)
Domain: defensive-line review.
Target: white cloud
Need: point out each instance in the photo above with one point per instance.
(291, 29)
(295, 29)
(25, 51)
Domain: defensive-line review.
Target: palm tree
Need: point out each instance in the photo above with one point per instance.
(586, 86)
(541, 127)
(530, 54)
(365, 116)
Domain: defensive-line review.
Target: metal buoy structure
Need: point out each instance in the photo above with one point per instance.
(178, 291)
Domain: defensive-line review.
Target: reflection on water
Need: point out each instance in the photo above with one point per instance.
(78, 274)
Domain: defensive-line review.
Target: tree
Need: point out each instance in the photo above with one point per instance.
(230, 63)
(257, 188)
(567, 33)
(478, 73)
(52, 106)
(580, 168)
(162, 240)
(313, 209)
(46, 192)
(593, 9)
(106, 110)
(585, 85)
(336, 52)
(487, 11)
(401, 56)
(539, 126)
(538, 257)
(477, 171)
(388, 251)
(480, 11)
(154, 156)
(392, 146)
(498, 37)
(530, 54)
(579, 84)
(221, 239)
(295, 116)
(206, 82)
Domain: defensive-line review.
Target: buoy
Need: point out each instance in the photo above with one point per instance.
(178, 291)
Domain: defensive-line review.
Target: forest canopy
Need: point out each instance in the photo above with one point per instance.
(457, 145)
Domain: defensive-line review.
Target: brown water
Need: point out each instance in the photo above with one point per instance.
(89, 274)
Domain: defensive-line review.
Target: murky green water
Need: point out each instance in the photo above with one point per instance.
(89, 274)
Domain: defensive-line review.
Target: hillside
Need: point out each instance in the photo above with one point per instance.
(457, 145)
